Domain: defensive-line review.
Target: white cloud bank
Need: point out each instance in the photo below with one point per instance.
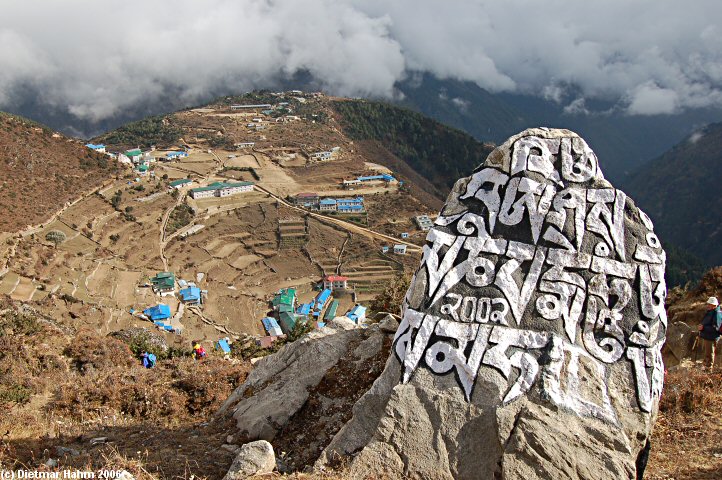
(99, 58)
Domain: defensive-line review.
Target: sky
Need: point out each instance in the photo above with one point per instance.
(98, 59)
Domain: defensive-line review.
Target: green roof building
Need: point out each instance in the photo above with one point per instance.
(331, 311)
(180, 182)
(163, 282)
(286, 297)
(221, 189)
(133, 153)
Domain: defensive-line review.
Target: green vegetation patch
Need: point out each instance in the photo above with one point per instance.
(437, 152)
(143, 133)
(181, 216)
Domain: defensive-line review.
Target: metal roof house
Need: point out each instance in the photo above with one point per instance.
(191, 296)
(171, 155)
(272, 327)
(327, 205)
(350, 205)
(377, 178)
(221, 189)
(180, 182)
(306, 199)
(100, 148)
(163, 283)
(424, 222)
(288, 321)
(400, 249)
(357, 313)
(134, 154)
(331, 311)
(332, 282)
(286, 297)
(304, 308)
(321, 299)
(159, 312)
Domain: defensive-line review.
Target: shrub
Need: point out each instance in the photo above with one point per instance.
(55, 236)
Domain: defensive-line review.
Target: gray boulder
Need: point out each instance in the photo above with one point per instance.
(280, 384)
(530, 343)
(255, 458)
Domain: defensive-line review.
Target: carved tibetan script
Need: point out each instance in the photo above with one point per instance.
(541, 270)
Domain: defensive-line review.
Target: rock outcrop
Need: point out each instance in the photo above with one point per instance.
(255, 458)
(530, 343)
(299, 397)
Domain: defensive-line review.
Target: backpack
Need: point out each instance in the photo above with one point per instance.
(151, 360)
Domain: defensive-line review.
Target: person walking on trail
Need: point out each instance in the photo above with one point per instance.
(148, 359)
(198, 351)
(709, 331)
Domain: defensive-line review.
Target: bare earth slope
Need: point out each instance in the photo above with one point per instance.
(41, 171)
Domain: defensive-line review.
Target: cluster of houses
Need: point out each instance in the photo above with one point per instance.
(164, 284)
(399, 249)
(287, 313)
(343, 205)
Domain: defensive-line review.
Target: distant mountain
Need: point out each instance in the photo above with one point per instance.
(42, 170)
(622, 142)
(680, 191)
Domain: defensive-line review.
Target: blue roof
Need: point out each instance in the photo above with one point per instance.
(322, 298)
(328, 201)
(94, 146)
(272, 327)
(350, 200)
(356, 312)
(159, 312)
(191, 294)
(223, 345)
(304, 309)
(176, 154)
(373, 177)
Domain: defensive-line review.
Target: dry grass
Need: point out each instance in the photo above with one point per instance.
(687, 438)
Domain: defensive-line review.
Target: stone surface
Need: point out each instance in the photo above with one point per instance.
(530, 343)
(279, 385)
(680, 340)
(255, 458)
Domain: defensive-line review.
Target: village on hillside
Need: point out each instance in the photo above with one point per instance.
(260, 219)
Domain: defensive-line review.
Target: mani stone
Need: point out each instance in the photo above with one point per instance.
(530, 339)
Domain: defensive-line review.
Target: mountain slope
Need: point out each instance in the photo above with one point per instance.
(680, 191)
(622, 142)
(42, 170)
(434, 151)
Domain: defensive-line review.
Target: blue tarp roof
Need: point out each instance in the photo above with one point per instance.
(304, 309)
(94, 146)
(356, 312)
(272, 327)
(191, 294)
(385, 176)
(223, 346)
(159, 312)
(323, 297)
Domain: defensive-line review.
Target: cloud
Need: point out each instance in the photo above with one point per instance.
(649, 99)
(96, 60)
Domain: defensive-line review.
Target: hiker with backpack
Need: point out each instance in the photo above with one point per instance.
(709, 331)
(198, 351)
(148, 359)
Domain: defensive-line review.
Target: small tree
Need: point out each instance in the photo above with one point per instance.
(55, 236)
